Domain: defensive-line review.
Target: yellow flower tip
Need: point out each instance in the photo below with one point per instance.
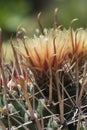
(44, 51)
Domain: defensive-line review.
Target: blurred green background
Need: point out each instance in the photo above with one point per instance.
(23, 13)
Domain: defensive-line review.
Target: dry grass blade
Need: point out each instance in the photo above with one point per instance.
(61, 103)
(79, 120)
(50, 86)
(55, 18)
(40, 26)
(77, 82)
(22, 83)
(16, 58)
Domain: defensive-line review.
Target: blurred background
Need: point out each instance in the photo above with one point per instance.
(23, 13)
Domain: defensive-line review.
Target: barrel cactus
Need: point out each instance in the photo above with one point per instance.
(44, 87)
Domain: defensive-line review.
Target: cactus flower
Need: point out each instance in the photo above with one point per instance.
(56, 44)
